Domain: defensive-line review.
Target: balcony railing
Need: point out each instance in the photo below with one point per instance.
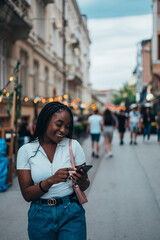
(14, 18)
(22, 5)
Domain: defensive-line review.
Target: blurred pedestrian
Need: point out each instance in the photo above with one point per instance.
(121, 124)
(108, 127)
(94, 128)
(158, 126)
(147, 119)
(44, 167)
(24, 134)
(33, 126)
(134, 124)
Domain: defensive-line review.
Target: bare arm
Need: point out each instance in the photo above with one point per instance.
(102, 124)
(32, 192)
(129, 122)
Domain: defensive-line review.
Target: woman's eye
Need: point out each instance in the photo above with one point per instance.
(58, 125)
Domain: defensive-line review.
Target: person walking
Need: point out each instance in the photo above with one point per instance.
(146, 120)
(46, 177)
(94, 127)
(121, 124)
(108, 127)
(158, 126)
(134, 124)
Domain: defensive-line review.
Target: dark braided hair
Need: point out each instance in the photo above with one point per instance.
(45, 116)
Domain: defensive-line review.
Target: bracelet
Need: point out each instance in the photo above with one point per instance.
(42, 188)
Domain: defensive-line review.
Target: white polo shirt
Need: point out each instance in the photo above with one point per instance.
(31, 156)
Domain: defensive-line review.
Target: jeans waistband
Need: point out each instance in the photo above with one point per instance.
(57, 201)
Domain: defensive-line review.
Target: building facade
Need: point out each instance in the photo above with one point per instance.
(143, 71)
(50, 40)
(156, 50)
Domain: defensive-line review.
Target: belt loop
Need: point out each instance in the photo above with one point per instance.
(66, 201)
(38, 203)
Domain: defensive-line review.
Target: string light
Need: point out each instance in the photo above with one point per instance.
(65, 96)
(50, 99)
(94, 107)
(11, 78)
(43, 100)
(26, 99)
(75, 107)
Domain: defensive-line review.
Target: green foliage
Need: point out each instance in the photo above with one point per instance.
(18, 90)
(9, 106)
(126, 93)
(79, 129)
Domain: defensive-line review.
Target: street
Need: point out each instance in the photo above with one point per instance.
(123, 199)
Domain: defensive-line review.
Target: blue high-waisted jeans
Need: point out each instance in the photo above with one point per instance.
(62, 222)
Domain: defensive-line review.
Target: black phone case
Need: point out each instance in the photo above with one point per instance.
(85, 168)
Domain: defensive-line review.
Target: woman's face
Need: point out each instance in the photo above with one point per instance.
(58, 127)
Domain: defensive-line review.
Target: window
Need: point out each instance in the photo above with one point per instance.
(46, 82)
(36, 79)
(40, 19)
(159, 47)
(158, 6)
(24, 72)
(53, 38)
(54, 92)
(3, 64)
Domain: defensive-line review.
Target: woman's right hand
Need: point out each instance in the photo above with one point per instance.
(61, 175)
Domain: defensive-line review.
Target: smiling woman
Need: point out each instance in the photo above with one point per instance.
(44, 169)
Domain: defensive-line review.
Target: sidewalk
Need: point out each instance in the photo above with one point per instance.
(124, 199)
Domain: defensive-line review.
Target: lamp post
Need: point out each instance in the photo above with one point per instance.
(64, 48)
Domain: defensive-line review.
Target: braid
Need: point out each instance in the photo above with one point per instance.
(45, 116)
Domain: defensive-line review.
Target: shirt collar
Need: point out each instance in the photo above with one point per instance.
(38, 147)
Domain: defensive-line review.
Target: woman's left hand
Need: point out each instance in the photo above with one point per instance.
(79, 178)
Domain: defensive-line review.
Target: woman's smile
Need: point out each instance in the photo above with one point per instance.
(59, 126)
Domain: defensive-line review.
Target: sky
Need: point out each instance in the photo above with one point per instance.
(115, 28)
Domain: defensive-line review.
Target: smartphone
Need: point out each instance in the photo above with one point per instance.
(85, 168)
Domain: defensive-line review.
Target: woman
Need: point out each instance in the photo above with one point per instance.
(147, 119)
(108, 127)
(44, 170)
(24, 134)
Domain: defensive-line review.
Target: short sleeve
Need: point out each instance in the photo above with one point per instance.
(78, 153)
(22, 159)
(89, 119)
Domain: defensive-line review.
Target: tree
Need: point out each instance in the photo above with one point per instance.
(126, 95)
